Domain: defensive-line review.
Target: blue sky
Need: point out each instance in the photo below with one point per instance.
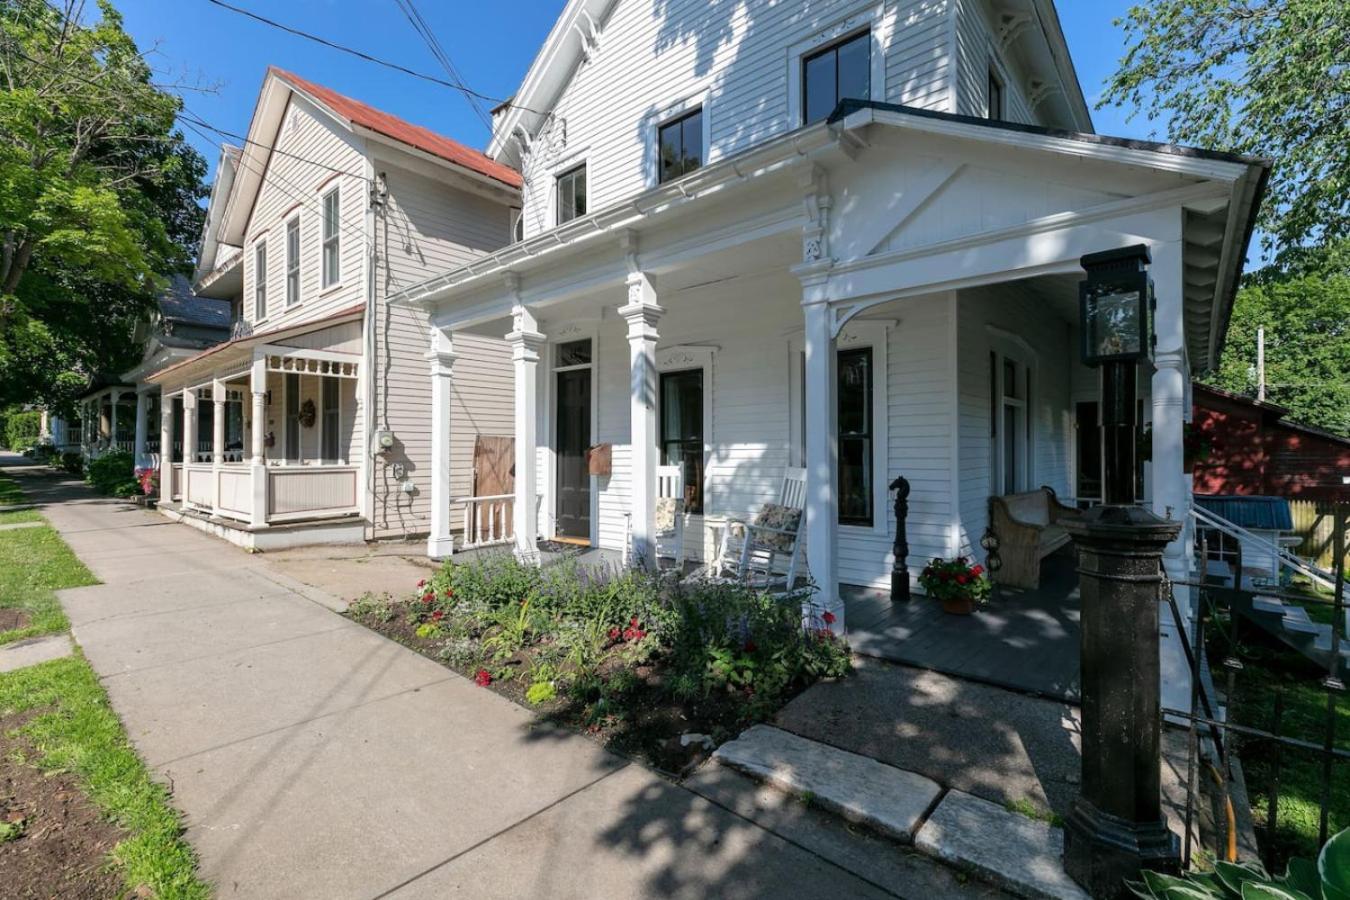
(491, 42)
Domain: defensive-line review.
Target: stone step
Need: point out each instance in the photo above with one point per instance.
(884, 798)
(1010, 850)
(1296, 614)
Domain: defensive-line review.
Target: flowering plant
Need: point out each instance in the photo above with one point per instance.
(955, 579)
(148, 479)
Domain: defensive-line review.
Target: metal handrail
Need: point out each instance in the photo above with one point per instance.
(1211, 520)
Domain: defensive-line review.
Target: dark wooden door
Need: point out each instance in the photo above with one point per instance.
(573, 439)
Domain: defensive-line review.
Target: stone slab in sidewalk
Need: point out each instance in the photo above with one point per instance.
(890, 800)
(1019, 854)
(22, 654)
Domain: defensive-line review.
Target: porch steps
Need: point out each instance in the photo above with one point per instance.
(1290, 624)
(1016, 854)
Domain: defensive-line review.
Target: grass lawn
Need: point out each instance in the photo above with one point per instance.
(9, 491)
(12, 516)
(75, 730)
(34, 564)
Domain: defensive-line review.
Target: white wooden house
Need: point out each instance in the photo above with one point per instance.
(840, 235)
(313, 422)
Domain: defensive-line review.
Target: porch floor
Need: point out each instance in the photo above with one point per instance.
(1022, 640)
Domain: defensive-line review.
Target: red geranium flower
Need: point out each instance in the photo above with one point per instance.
(962, 578)
(437, 616)
(482, 678)
(614, 633)
(428, 597)
(977, 570)
(449, 593)
(828, 618)
(422, 583)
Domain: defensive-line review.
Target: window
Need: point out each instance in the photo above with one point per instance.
(854, 399)
(332, 417)
(293, 261)
(572, 194)
(260, 282)
(573, 353)
(332, 269)
(292, 416)
(1010, 434)
(842, 70)
(680, 146)
(993, 106)
(682, 431)
(1088, 461)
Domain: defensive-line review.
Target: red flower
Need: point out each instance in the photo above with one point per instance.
(422, 583)
(428, 597)
(977, 571)
(828, 618)
(449, 593)
(962, 578)
(614, 633)
(482, 678)
(437, 616)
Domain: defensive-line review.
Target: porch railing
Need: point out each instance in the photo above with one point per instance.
(1207, 520)
(293, 492)
(488, 521)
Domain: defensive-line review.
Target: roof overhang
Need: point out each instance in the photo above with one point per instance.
(226, 280)
(157, 356)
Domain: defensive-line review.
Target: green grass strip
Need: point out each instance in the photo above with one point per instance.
(10, 492)
(14, 516)
(77, 731)
(34, 564)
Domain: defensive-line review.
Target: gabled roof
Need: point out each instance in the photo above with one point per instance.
(354, 112)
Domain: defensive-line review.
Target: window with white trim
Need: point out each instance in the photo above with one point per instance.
(842, 70)
(332, 264)
(260, 281)
(572, 194)
(679, 145)
(1009, 424)
(332, 417)
(993, 98)
(293, 261)
(681, 431)
(855, 421)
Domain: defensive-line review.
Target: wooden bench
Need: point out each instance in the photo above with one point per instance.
(1029, 527)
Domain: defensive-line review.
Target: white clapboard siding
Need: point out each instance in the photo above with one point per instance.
(733, 56)
(976, 51)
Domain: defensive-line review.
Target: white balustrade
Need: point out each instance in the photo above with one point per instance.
(488, 521)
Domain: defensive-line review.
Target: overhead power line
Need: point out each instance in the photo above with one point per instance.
(423, 29)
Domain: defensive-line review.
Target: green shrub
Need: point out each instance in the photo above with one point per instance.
(1328, 877)
(114, 473)
(72, 461)
(22, 430)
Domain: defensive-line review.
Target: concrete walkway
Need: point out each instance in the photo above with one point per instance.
(314, 758)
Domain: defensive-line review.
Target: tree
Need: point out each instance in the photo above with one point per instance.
(1304, 306)
(99, 196)
(1263, 77)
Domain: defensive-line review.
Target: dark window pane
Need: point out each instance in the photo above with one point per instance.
(670, 152)
(574, 353)
(292, 417)
(680, 145)
(580, 191)
(692, 128)
(855, 68)
(854, 411)
(331, 418)
(1009, 378)
(682, 431)
(571, 194)
(819, 86)
(994, 101)
(1089, 451)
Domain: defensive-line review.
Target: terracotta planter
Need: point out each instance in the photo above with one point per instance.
(958, 606)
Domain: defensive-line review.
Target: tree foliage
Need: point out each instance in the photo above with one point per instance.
(1304, 306)
(1263, 77)
(99, 196)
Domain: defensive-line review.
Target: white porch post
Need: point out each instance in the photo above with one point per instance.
(257, 442)
(217, 440)
(441, 356)
(642, 313)
(525, 341)
(142, 425)
(1171, 484)
(189, 438)
(114, 396)
(165, 448)
(822, 504)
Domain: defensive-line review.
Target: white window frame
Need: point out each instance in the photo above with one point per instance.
(260, 310)
(566, 167)
(335, 239)
(1011, 347)
(293, 265)
(867, 16)
(687, 358)
(654, 121)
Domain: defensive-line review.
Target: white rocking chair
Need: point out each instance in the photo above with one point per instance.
(766, 553)
(668, 538)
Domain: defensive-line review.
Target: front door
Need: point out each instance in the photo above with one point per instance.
(572, 440)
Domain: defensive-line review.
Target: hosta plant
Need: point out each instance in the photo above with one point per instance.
(1326, 879)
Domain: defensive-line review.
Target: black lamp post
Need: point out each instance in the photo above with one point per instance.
(1116, 827)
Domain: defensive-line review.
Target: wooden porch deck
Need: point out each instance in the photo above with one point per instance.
(1022, 640)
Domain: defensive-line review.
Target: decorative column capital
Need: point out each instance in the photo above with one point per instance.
(641, 312)
(441, 353)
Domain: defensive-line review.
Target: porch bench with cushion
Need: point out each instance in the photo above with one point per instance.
(1029, 527)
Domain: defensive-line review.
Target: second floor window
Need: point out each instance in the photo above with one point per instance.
(332, 270)
(259, 282)
(842, 70)
(572, 194)
(293, 262)
(994, 98)
(680, 146)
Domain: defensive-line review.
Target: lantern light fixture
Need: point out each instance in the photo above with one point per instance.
(1115, 304)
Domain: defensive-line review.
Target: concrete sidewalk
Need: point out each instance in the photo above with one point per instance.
(314, 758)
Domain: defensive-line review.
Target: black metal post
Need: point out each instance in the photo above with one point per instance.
(900, 567)
(1118, 431)
(1116, 826)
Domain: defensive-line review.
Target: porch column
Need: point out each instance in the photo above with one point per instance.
(106, 420)
(217, 440)
(1171, 485)
(165, 448)
(525, 341)
(642, 313)
(822, 503)
(441, 356)
(189, 438)
(142, 426)
(257, 442)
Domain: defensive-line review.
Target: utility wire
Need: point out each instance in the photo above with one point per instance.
(423, 29)
(361, 54)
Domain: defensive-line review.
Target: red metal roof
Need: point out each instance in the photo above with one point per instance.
(358, 113)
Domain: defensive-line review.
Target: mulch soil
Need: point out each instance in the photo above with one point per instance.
(62, 850)
(648, 727)
(13, 619)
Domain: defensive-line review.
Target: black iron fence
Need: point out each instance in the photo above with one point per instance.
(1269, 718)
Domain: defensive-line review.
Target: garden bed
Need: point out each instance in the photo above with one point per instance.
(653, 669)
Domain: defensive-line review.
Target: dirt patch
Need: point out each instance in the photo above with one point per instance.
(13, 619)
(62, 843)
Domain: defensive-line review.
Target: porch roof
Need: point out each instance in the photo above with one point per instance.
(234, 351)
(1215, 244)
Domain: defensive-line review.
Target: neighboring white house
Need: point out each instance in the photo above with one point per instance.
(836, 235)
(313, 422)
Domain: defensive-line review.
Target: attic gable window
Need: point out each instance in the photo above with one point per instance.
(841, 70)
(572, 194)
(994, 98)
(680, 145)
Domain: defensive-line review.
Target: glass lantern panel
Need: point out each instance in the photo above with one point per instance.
(1113, 323)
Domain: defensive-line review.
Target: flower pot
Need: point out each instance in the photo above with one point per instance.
(958, 606)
